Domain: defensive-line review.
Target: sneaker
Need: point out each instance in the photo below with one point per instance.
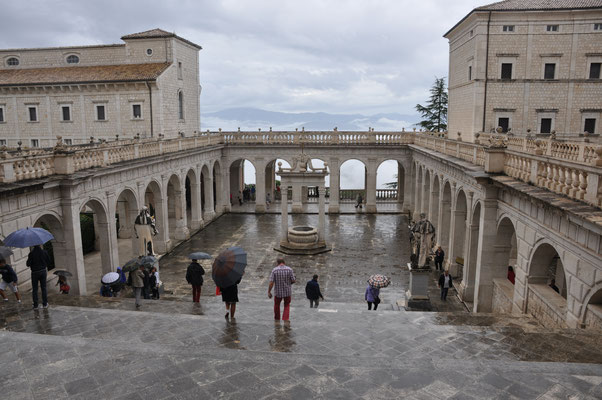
(35, 307)
(45, 305)
(5, 299)
(19, 301)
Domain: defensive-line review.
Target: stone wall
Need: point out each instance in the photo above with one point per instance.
(593, 317)
(503, 290)
(547, 306)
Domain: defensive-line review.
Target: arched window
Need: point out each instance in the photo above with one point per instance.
(181, 105)
(13, 61)
(72, 59)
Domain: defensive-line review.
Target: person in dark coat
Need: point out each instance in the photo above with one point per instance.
(194, 276)
(146, 290)
(230, 297)
(445, 282)
(313, 293)
(8, 280)
(439, 257)
(38, 261)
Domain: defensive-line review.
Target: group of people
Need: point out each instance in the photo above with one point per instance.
(144, 283)
(38, 261)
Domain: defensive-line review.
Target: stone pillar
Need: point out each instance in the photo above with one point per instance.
(270, 180)
(259, 186)
(284, 214)
(126, 226)
(333, 200)
(417, 194)
(445, 224)
(182, 232)
(408, 192)
(196, 220)
(488, 254)
(322, 215)
(371, 186)
(225, 190)
(471, 241)
(162, 241)
(297, 204)
(73, 248)
(110, 231)
(400, 185)
(209, 212)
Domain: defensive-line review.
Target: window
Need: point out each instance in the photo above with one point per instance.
(598, 27)
(552, 28)
(506, 71)
(470, 72)
(179, 70)
(149, 52)
(545, 125)
(12, 62)
(72, 59)
(32, 113)
(594, 70)
(589, 125)
(503, 123)
(35, 143)
(508, 28)
(549, 71)
(181, 105)
(2, 142)
(66, 113)
(136, 111)
(68, 141)
(101, 113)
(2, 114)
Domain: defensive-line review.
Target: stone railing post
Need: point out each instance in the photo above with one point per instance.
(63, 163)
(494, 160)
(136, 150)
(593, 193)
(8, 173)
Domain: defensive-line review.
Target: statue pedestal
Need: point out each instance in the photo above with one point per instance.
(145, 237)
(417, 294)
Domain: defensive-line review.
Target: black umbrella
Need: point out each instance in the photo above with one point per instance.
(62, 272)
(199, 255)
(229, 267)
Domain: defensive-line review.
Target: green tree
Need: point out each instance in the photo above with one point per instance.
(434, 114)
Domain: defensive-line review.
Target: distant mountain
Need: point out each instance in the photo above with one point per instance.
(254, 118)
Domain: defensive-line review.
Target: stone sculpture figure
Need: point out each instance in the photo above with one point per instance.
(143, 225)
(422, 237)
(144, 218)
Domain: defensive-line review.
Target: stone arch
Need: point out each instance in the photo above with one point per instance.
(434, 202)
(176, 208)
(470, 254)
(386, 193)
(272, 178)
(238, 182)
(52, 222)
(126, 210)
(458, 237)
(157, 205)
(355, 176)
(591, 313)
(193, 201)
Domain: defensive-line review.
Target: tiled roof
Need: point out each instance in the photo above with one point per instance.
(157, 33)
(526, 5)
(90, 74)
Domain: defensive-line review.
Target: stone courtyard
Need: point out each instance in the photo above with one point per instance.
(92, 347)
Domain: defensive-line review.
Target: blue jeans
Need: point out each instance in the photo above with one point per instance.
(39, 277)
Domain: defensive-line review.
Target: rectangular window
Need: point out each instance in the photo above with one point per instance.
(590, 125)
(179, 70)
(2, 114)
(598, 27)
(546, 125)
(32, 113)
(508, 28)
(66, 113)
(68, 141)
(594, 70)
(136, 111)
(100, 113)
(552, 28)
(549, 71)
(470, 72)
(2, 142)
(503, 123)
(35, 143)
(506, 71)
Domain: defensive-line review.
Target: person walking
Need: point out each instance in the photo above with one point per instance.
(154, 283)
(230, 297)
(194, 276)
(38, 261)
(359, 200)
(268, 200)
(138, 283)
(445, 282)
(312, 291)
(281, 279)
(439, 257)
(372, 296)
(8, 281)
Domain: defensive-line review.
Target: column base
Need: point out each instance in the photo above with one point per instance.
(259, 208)
(466, 292)
(208, 216)
(196, 225)
(181, 233)
(371, 208)
(333, 209)
(297, 208)
(162, 247)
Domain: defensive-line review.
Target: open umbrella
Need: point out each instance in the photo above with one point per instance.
(28, 237)
(378, 281)
(199, 255)
(62, 272)
(147, 260)
(5, 252)
(131, 265)
(110, 278)
(229, 266)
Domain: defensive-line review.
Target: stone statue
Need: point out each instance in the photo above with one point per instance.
(144, 218)
(422, 237)
(145, 229)
(302, 163)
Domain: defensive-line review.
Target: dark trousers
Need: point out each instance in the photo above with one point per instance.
(314, 303)
(196, 293)
(146, 292)
(156, 292)
(39, 277)
(438, 264)
(370, 305)
(444, 293)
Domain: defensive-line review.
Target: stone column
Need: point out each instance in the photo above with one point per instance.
(73, 248)
(182, 232)
(333, 200)
(110, 231)
(270, 180)
(371, 186)
(259, 186)
(284, 214)
(400, 185)
(455, 246)
(126, 226)
(488, 253)
(297, 203)
(225, 190)
(322, 215)
(432, 202)
(471, 241)
(162, 241)
(196, 220)
(209, 212)
(439, 206)
(408, 192)
(417, 194)
(304, 194)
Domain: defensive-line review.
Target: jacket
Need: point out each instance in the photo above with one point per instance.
(371, 294)
(38, 259)
(312, 290)
(194, 274)
(442, 280)
(137, 279)
(439, 255)
(8, 274)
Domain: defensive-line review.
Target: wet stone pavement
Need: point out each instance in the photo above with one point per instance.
(98, 348)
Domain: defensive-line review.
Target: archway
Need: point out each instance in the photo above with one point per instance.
(193, 201)
(592, 318)
(127, 209)
(206, 193)
(55, 247)
(456, 258)
(470, 259)
(445, 228)
(176, 203)
(97, 251)
(545, 267)
(390, 182)
(217, 184)
(352, 181)
(153, 199)
(434, 203)
(272, 179)
(242, 182)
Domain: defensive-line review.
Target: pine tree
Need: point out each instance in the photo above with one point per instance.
(434, 114)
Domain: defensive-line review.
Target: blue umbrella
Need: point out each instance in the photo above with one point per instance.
(229, 267)
(28, 237)
(199, 255)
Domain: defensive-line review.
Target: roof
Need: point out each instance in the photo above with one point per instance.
(157, 33)
(89, 74)
(534, 5)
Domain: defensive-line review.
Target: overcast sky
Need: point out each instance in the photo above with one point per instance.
(360, 56)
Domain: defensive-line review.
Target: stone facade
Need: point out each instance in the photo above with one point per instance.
(566, 42)
(157, 96)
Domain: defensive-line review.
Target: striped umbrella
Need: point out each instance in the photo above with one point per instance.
(229, 266)
(378, 281)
